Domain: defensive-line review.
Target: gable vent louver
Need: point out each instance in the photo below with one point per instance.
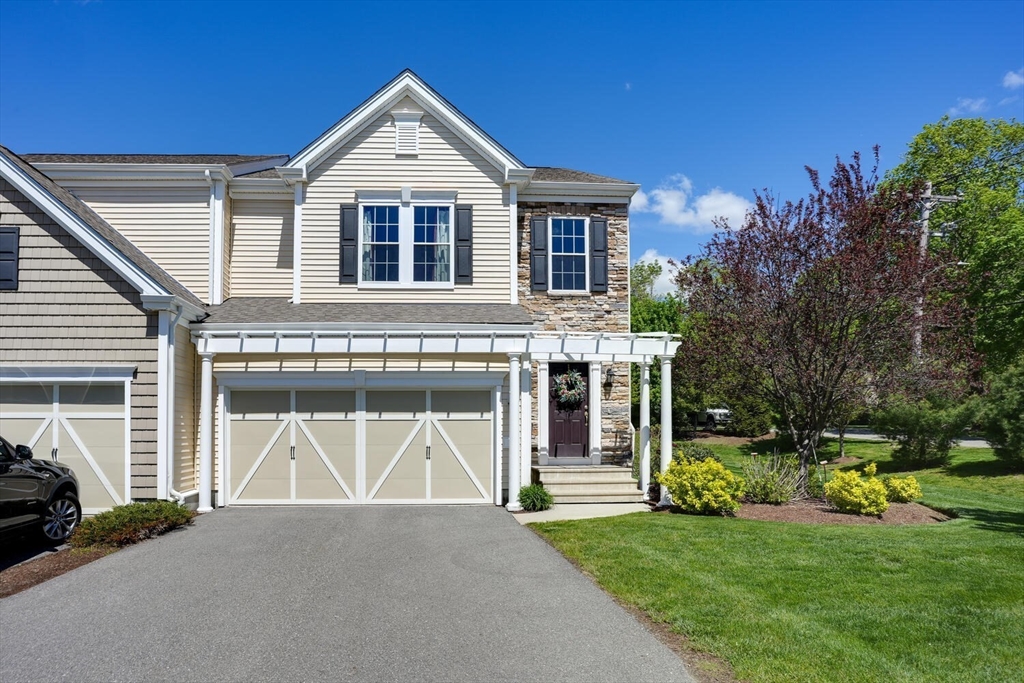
(407, 132)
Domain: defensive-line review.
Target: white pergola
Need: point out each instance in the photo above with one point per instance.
(521, 347)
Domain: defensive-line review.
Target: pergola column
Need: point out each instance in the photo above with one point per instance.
(666, 424)
(645, 426)
(543, 396)
(206, 434)
(514, 419)
(526, 424)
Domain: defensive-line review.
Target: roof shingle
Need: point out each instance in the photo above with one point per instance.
(274, 310)
(200, 159)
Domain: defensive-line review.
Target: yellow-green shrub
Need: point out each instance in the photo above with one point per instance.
(702, 486)
(847, 492)
(902, 489)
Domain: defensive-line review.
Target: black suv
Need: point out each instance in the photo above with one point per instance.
(36, 494)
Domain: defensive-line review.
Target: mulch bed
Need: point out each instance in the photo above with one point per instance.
(818, 512)
(19, 577)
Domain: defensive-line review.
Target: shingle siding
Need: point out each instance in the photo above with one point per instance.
(70, 308)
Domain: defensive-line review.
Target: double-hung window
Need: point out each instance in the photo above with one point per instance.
(568, 254)
(406, 244)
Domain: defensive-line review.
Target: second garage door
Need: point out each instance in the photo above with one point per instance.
(326, 447)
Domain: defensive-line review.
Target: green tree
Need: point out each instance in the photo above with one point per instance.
(642, 278)
(983, 161)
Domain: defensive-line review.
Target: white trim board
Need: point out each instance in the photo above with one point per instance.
(67, 374)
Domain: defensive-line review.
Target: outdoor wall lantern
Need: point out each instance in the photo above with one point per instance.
(609, 377)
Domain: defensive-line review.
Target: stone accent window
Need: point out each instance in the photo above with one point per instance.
(568, 254)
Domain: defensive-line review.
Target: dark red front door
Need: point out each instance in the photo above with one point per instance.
(568, 428)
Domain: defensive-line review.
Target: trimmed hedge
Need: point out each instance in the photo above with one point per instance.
(128, 524)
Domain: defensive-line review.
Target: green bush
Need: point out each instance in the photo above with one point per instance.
(127, 524)
(847, 492)
(535, 498)
(702, 486)
(901, 489)
(697, 452)
(751, 415)
(1002, 415)
(771, 478)
(924, 432)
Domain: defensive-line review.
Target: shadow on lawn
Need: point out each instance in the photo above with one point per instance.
(982, 468)
(994, 520)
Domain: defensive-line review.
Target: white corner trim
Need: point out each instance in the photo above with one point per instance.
(216, 253)
(297, 241)
(164, 382)
(513, 243)
(78, 228)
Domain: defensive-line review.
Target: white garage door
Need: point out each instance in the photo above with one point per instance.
(81, 425)
(317, 447)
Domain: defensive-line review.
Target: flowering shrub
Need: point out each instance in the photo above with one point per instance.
(847, 492)
(901, 489)
(702, 486)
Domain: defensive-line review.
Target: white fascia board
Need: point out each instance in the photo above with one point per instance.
(133, 172)
(79, 229)
(407, 84)
(32, 372)
(260, 188)
(579, 193)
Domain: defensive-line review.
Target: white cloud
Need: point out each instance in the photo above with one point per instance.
(1009, 100)
(1013, 79)
(967, 105)
(675, 204)
(629, 86)
(665, 283)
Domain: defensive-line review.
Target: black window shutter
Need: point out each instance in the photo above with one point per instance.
(463, 244)
(539, 253)
(599, 255)
(8, 257)
(349, 243)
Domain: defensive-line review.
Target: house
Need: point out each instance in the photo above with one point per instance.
(367, 321)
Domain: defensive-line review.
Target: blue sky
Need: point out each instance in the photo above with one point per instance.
(700, 103)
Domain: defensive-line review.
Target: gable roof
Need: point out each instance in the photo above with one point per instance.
(140, 270)
(552, 174)
(405, 84)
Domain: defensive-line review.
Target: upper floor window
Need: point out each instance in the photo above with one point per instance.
(406, 244)
(569, 254)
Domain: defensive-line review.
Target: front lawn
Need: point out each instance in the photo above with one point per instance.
(794, 602)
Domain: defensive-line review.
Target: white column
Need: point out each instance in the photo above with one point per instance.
(526, 424)
(543, 396)
(164, 385)
(206, 433)
(594, 388)
(666, 423)
(216, 283)
(513, 433)
(645, 426)
(297, 244)
(513, 242)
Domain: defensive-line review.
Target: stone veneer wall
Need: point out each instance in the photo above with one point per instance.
(587, 312)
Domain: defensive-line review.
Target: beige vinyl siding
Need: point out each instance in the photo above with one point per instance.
(170, 224)
(71, 309)
(261, 247)
(368, 162)
(186, 418)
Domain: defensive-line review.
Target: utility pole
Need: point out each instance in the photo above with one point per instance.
(929, 201)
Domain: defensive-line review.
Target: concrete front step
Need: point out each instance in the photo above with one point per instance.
(589, 484)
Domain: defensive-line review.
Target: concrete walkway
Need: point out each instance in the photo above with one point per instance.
(339, 594)
(581, 511)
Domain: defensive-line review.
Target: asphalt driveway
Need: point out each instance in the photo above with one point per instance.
(340, 594)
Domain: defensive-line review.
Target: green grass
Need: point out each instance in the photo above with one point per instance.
(793, 602)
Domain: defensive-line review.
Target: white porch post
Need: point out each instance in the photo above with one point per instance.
(206, 434)
(666, 423)
(543, 397)
(514, 418)
(526, 424)
(594, 408)
(645, 426)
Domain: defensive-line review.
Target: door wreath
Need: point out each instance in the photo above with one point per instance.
(569, 390)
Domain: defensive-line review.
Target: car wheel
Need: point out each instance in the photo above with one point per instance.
(710, 425)
(61, 517)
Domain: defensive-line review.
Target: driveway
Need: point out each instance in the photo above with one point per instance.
(341, 594)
